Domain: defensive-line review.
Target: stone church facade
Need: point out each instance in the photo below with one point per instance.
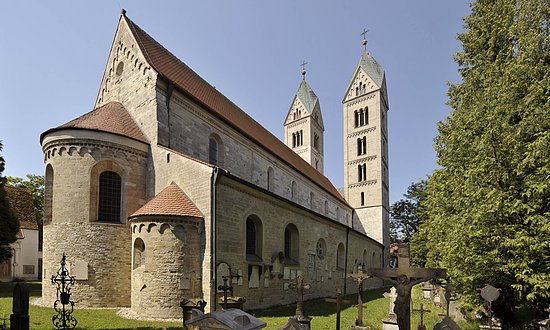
(166, 186)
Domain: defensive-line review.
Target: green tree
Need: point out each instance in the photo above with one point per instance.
(487, 208)
(35, 183)
(9, 224)
(405, 214)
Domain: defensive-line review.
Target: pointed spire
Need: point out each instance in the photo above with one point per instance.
(303, 65)
(364, 38)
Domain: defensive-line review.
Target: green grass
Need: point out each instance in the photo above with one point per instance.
(323, 312)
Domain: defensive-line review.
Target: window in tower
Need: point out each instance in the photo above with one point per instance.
(359, 148)
(356, 91)
(293, 140)
(361, 117)
(359, 173)
(301, 137)
(356, 118)
(316, 141)
(362, 198)
(364, 145)
(366, 115)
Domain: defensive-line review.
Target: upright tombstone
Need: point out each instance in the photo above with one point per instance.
(19, 319)
(489, 294)
(404, 278)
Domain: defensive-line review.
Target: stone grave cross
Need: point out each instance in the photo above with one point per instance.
(421, 326)
(360, 276)
(300, 286)
(404, 278)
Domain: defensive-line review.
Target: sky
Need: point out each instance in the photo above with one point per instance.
(53, 54)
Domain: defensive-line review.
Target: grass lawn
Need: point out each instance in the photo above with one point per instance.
(323, 311)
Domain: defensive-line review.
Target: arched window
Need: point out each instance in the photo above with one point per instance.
(316, 164)
(356, 118)
(293, 190)
(315, 141)
(301, 137)
(361, 118)
(356, 91)
(321, 248)
(292, 245)
(270, 178)
(365, 257)
(359, 148)
(212, 151)
(341, 256)
(364, 168)
(110, 186)
(253, 238)
(359, 173)
(139, 253)
(364, 145)
(366, 115)
(48, 193)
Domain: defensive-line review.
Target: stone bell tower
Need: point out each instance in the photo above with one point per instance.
(366, 161)
(304, 129)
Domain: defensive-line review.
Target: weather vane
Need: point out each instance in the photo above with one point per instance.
(364, 38)
(303, 65)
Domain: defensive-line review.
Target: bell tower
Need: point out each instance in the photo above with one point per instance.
(304, 129)
(366, 184)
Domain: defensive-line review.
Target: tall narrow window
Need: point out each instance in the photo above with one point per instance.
(301, 137)
(292, 245)
(326, 207)
(364, 145)
(293, 140)
(356, 118)
(212, 151)
(356, 91)
(366, 115)
(315, 141)
(48, 193)
(139, 253)
(359, 173)
(270, 178)
(359, 147)
(364, 168)
(341, 256)
(110, 186)
(362, 198)
(253, 238)
(361, 118)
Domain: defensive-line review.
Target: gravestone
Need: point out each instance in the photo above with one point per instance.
(300, 315)
(227, 319)
(390, 323)
(19, 319)
(404, 278)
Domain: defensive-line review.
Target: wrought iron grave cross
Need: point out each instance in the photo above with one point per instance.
(421, 326)
(360, 276)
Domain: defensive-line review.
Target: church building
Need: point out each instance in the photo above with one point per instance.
(167, 187)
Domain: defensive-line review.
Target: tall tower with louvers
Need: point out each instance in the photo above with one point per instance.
(366, 160)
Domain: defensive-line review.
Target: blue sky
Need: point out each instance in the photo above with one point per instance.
(53, 54)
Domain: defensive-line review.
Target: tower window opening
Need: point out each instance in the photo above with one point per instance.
(366, 115)
(293, 140)
(356, 118)
(361, 118)
(364, 145)
(362, 198)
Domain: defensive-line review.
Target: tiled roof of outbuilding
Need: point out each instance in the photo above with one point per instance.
(171, 201)
(111, 117)
(189, 82)
(20, 200)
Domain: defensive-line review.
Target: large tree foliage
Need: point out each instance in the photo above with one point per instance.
(35, 183)
(9, 225)
(488, 210)
(406, 214)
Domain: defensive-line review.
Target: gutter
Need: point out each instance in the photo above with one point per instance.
(346, 261)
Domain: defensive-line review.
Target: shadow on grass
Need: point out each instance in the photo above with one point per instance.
(321, 306)
(6, 289)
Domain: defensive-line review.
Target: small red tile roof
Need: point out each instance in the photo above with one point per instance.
(172, 69)
(171, 201)
(20, 200)
(111, 117)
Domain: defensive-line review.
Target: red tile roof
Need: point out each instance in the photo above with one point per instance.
(111, 118)
(171, 68)
(20, 200)
(171, 201)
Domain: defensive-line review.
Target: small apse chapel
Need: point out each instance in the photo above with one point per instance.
(166, 184)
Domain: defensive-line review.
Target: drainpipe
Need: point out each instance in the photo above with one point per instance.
(213, 256)
(346, 262)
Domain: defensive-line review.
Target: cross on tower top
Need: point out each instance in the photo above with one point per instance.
(365, 38)
(303, 65)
